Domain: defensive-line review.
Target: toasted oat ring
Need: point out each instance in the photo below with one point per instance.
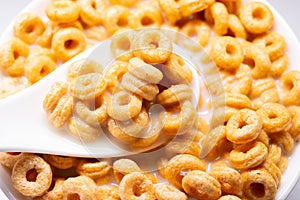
(244, 80)
(31, 176)
(93, 170)
(275, 117)
(114, 74)
(92, 11)
(285, 140)
(57, 90)
(219, 16)
(62, 112)
(274, 154)
(124, 105)
(60, 162)
(190, 7)
(171, 10)
(258, 60)
(248, 155)
(127, 3)
(121, 44)
(63, 11)
(235, 27)
(274, 44)
(256, 17)
(290, 87)
(82, 129)
(229, 197)
(237, 100)
(55, 192)
(80, 187)
(179, 165)
(243, 126)
(116, 17)
(258, 184)
(68, 42)
(177, 70)
(267, 96)
(294, 130)
(136, 186)
(185, 146)
(28, 27)
(152, 46)
(200, 185)
(261, 85)
(227, 53)
(124, 166)
(279, 66)
(274, 171)
(8, 159)
(110, 192)
(13, 54)
(174, 94)
(169, 192)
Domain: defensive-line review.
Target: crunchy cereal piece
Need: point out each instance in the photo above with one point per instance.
(217, 14)
(8, 159)
(171, 10)
(92, 11)
(114, 74)
(60, 162)
(236, 27)
(55, 193)
(82, 129)
(189, 7)
(109, 192)
(168, 192)
(290, 88)
(123, 167)
(115, 18)
(62, 111)
(93, 170)
(63, 11)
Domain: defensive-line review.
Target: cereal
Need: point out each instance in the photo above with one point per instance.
(123, 167)
(62, 112)
(115, 18)
(189, 7)
(60, 162)
(168, 192)
(82, 130)
(92, 11)
(279, 66)
(295, 127)
(271, 95)
(63, 11)
(285, 140)
(175, 94)
(171, 10)
(114, 73)
(93, 170)
(184, 146)
(124, 2)
(110, 192)
(81, 67)
(122, 44)
(289, 84)
(235, 27)
(261, 85)
(31, 176)
(8, 159)
(219, 15)
(229, 197)
(55, 193)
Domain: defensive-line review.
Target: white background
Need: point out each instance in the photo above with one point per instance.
(289, 9)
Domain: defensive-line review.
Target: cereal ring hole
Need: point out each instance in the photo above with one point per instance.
(137, 190)
(124, 44)
(288, 85)
(29, 29)
(73, 196)
(249, 61)
(257, 189)
(31, 175)
(16, 55)
(258, 13)
(71, 44)
(147, 21)
(230, 49)
(122, 22)
(154, 44)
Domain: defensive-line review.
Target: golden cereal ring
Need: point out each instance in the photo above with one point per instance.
(256, 17)
(122, 44)
(60, 162)
(75, 24)
(28, 27)
(110, 192)
(161, 165)
(98, 33)
(236, 27)
(171, 10)
(92, 11)
(116, 17)
(168, 192)
(89, 86)
(177, 71)
(145, 15)
(258, 184)
(93, 170)
(184, 146)
(179, 165)
(189, 7)
(243, 127)
(8, 159)
(274, 171)
(271, 95)
(274, 44)
(68, 42)
(83, 66)
(279, 66)
(136, 186)
(80, 187)
(40, 51)
(294, 130)
(264, 138)
(123, 167)
(127, 3)
(219, 16)
(283, 163)
(248, 155)
(258, 60)
(274, 153)
(31, 176)
(232, 6)
(290, 87)
(114, 74)
(37, 67)
(63, 11)
(275, 117)
(13, 54)
(124, 105)
(229, 197)
(237, 100)
(57, 90)
(227, 53)
(62, 112)
(200, 185)
(175, 94)
(82, 130)
(152, 46)
(44, 40)
(261, 85)
(285, 140)
(55, 193)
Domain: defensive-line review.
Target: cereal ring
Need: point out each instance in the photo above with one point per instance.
(121, 45)
(28, 27)
(232, 6)
(83, 66)
(152, 46)
(219, 16)
(274, 44)
(235, 27)
(285, 140)
(282, 165)
(114, 74)
(184, 146)
(258, 184)
(290, 87)
(264, 138)
(92, 11)
(279, 66)
(200, 185)
(68, 42)
(37, 67)
(98, 33)
(110, 192)
(40, 51)
(60, 162)
(80, 187)
(124, 105)
(136, 186)
(177, 71)
(62, 112)
(89, 86)
(189, 7)
(256, 17)
(261, 85)
(175, 94)
(294, 130)
(179, 165)
(258, 60)
(55, 193)
(31, 176)
(237, 100)
(171, 10)
(274, 153)
(8, 159)
(93, 170)
(275, 117)
(243, 127)
(13, 54)
(82, 130)
(267, 96)
(229, 197)
(168, 192)
(198, 30)
(227, 53)
(44, 40)
(123, 167)
(145, 15)
(57, 91)
(274, 171)
(127, 3)
(161, 165)
(75, 24)
(116, 17)
(63, 11)
(248, 155)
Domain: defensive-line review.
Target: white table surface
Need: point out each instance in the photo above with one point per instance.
(288, 8)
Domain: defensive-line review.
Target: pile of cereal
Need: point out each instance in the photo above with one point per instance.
(243, 158)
